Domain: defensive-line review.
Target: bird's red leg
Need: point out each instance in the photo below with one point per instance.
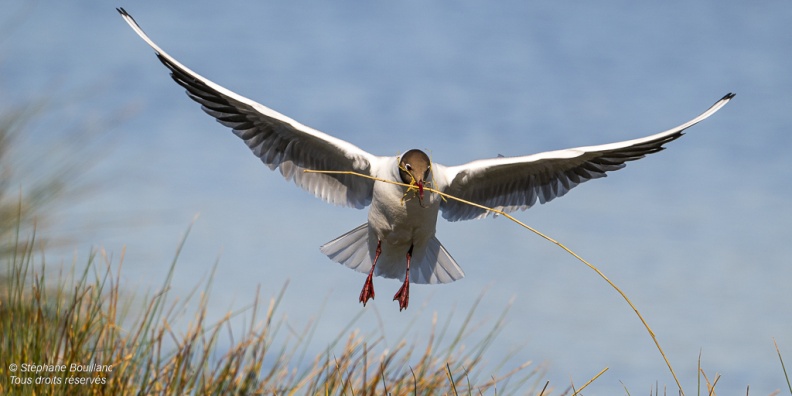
(403, 295)
(368, 287)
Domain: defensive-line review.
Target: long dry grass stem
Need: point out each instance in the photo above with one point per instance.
(535, 231)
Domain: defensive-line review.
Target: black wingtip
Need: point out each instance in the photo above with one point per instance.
(125, 14)
(729, 96)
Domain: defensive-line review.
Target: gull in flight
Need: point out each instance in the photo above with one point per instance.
(398, 240)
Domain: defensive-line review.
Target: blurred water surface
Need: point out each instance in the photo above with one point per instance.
(698, 235)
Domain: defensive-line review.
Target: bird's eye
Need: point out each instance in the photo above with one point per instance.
(408, 167)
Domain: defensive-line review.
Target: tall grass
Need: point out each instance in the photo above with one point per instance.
(76, 322)
(78, 318)
(42, 172)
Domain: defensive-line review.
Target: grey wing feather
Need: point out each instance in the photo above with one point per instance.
(517, 183)
(277, 140)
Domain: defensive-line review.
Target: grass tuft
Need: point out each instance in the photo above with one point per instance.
(77, 320)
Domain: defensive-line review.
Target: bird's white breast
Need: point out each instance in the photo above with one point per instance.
(398, 218)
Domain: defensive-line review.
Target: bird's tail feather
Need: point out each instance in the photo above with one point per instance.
(350, 249)
(433, 265)
(437, 266)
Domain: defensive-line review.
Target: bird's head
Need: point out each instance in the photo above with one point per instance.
(414, 169)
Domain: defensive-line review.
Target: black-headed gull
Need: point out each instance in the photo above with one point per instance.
(398, 240)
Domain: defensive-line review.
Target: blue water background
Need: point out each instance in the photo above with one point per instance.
(698, 236)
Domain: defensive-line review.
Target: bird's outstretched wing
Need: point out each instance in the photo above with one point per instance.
(516, 183)
(278, 140)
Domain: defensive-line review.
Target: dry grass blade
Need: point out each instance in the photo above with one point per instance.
(594, 378)
(710, 385)
(562, 246)
(778, 351)
(544, 388)
(451, 379)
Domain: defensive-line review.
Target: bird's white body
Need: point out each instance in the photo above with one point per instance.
(398, 220)
(399, 236)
